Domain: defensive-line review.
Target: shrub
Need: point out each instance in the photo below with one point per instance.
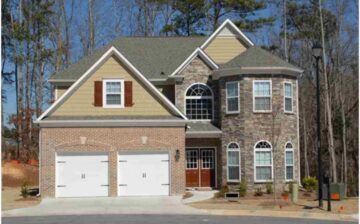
(269, 188)
(258, 192)
(243, 189)
(224, 189)
(310, 183)
(24, 192)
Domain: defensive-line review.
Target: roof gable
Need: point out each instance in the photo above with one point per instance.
(112, 51)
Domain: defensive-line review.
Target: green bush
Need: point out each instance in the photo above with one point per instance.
(269, 188)
(24, 192)
(243, 189)
(258, 192)
(310, 183)
(224, 189)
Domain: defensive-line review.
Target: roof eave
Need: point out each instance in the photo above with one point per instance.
(256, 70)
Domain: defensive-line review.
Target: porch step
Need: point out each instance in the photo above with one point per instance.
(199, 188)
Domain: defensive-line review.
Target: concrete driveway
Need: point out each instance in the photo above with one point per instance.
(116, 205)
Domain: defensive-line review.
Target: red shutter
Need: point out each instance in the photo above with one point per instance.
(98, 94)
(128, 94)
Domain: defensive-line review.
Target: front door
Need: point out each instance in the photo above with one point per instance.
(200, 167)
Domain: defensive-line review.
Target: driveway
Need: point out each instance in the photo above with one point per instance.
(108, 205)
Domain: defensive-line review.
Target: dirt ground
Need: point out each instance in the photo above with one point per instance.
(12, 199)
(266, 202)
(13, 177)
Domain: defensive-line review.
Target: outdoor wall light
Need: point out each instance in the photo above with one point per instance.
(177, 155)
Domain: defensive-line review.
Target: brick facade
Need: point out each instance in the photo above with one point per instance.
(248, 127)
(111, 140)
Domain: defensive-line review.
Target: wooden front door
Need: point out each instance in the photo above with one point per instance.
(200, 167)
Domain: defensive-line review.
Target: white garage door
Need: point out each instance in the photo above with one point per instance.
(82, 175)
(143, 174)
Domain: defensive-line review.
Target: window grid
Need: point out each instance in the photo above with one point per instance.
(263, 162)
(289, 162)
(233, 162)
(192, 159)
(288, 97)
(113, 93)
(262, 95)
(199, 102)
(207, 157)
(232, 97)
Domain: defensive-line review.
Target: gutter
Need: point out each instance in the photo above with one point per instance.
(111, 123)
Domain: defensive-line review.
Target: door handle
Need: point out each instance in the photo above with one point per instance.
(144, 175)
(83, 176)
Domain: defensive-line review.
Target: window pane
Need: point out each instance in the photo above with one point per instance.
(113, 87)
(113, 99)
(233, 157)
(232, 89)
(263, 173)
(263, 158)
(262, 103)
(288, 104)
(289, 158)
(191, 159)
(289, 172)
(207, 157)
(234, 173)
(288, 90)
(262, 89)
(200, 109)
(233, 104)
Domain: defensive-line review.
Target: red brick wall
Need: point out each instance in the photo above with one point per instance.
(111, 140)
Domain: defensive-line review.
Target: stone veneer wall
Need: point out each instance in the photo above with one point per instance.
(112, 141)
(248, 127)
(196, 72)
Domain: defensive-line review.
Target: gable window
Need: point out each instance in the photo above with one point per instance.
(288, 97)
(263, 162)
(262, 95)
(289, 161)
(232, 97)
(199, 102)
(233, 162)
(113, 93)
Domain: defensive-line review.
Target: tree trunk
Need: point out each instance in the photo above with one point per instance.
(306, 161)
(327, 102)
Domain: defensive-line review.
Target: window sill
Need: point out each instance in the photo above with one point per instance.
(233, 181)
(262, 111)
(112, 107)
(232, 113)
(289, 112)
(262, 181)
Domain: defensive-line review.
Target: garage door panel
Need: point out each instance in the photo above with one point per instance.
(143, 174)
(82, 175)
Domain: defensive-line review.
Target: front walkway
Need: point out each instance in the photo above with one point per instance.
(116, 205)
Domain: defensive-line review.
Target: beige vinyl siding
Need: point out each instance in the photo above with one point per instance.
(60, 90)
(81, 102)
(223, 49)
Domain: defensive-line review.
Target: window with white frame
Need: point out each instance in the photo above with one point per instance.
(262, 95)
(288, 97)
(113, 93)
(233, 162)
(199, 102)
(232, 97)
(263, 161)
(289, 161)
(192, 159)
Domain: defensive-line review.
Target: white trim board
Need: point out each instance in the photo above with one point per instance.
(234, 28)
(113, 51)
(194, 54)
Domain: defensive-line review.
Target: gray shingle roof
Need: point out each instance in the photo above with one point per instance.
(256, 57)
(154, 57)
(195, 127)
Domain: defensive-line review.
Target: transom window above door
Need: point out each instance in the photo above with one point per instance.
(199, 102)
(113, 95)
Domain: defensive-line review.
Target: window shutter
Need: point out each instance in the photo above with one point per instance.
(98, 94)
(128, 94)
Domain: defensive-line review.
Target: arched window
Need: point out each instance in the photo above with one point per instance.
(263, 161)
(199, 102)
(289, 161)
(233, 162)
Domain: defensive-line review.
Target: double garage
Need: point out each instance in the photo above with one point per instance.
(87, 174)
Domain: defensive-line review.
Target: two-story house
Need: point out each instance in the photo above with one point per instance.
(157, 115)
